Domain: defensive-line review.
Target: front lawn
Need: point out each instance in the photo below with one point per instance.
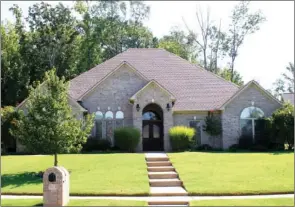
(235, 173)
(91, 174)
(245, 202)
(80, 202)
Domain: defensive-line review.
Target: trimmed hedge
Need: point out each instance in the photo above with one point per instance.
(181, 137)
(126, 138)
(93, 144)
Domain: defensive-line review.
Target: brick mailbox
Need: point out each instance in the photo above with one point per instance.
(56, 186)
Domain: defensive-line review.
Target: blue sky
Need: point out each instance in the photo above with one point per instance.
(263, 56)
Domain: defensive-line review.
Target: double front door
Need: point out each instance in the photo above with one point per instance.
(152, 135)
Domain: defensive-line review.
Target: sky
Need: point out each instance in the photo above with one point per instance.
(264, 54)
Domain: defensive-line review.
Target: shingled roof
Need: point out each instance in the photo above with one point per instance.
(194, 88)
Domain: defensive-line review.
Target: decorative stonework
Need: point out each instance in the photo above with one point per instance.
(56, 186)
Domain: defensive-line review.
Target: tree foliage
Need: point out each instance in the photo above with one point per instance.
(9, 117)
(226, 73)
(49, 125)
(283, 124)
(286, 82)
(243, 23)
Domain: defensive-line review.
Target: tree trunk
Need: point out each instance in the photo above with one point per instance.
(55, 159)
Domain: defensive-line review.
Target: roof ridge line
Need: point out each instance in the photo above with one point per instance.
(198, 66)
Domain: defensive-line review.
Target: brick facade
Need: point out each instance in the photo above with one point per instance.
(232, 112)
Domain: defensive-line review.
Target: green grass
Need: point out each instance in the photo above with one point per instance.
(98, 202)
(91, 174)
(245, 202)
(235, 173)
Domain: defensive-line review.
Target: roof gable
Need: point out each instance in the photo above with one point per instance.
(193, 87)
(123, 63)
(153, 82)
(242, 89)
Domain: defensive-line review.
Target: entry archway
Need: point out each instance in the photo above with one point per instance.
(152, 128)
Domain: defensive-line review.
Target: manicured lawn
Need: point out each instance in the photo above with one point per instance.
(97, 202)
(235, 173)
(91, 174)
(245, 202)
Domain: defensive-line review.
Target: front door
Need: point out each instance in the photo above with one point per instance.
(152, 135)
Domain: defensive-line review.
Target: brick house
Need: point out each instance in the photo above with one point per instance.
(154, 90)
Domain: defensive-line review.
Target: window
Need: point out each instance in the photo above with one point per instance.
(119, 119)
(198, 127)
(109, 115)
(149, 115)
(248, 119)
(119, 115)
(98, 124)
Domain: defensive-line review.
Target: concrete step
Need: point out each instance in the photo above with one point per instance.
(168, 202)
(162, 175)
(151, 159)
(165, 182)
(161, 169)
(159, 163)
(168, 191)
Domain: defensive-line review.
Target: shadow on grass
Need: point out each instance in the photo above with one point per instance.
(17, 180)
(38, 204)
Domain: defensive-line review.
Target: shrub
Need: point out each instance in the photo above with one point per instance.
(259, 148)
(283, 124)
(181, 137)
(93, 144)
(263, 132)
(9, 117)
(127, 138)
(204, 147)
(213, 125)
(233, 148)
(245, 142)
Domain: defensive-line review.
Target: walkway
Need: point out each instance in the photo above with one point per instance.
(164, 181)
(151, 198)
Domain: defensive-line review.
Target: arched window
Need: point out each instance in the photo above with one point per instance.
(98, 115)
(119, 115)
(109, 115)
(248, 119)
(150, 115)
(119, 119)
(98, 124)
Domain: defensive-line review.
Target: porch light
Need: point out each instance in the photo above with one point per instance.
(153, 100)
(168, 107)
(137, 107)
(252, 102)
(195, 118)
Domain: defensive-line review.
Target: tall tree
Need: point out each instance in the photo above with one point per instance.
(226, 74)
(178, 42)
(243, 23)
(285, 83)
(53, 40)
(50, 126)
(204, 24)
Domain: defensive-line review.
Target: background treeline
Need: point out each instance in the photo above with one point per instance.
(73, 40)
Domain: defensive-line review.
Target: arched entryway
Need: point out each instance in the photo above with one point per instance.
(152, 128)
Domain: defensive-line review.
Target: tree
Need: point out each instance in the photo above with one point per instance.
(242, 24)
(283, 124)
(179, 44)
(204, 26)
(14, 77)
(289, 77)
(8, 117)
(285, 83)
(50, 126)
(226, 73)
